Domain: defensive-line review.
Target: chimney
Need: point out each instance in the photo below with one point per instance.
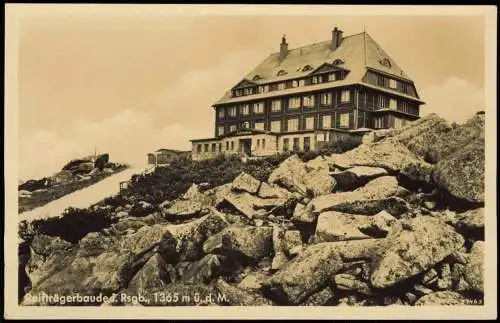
(337, 35)
(283, 48)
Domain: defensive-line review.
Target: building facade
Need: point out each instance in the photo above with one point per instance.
(166, 156)
(299, 99)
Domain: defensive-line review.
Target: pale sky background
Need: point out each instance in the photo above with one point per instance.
(129, 83)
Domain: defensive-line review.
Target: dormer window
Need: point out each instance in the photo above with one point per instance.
(385, 62)
(337, 62)
(281, 73)
(256, 78)
(307, 68)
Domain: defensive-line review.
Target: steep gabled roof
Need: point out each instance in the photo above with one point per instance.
(356, 53)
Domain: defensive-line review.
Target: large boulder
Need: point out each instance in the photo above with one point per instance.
(203, 270)
(337, 226)
(377, 195)
(101, 161)
(474, 269)
(462, 173)
(151, 276)
(294, 175)
(357, 176)
(471, 223)
(312, 269)
(247, 243)
(411, 248)
(253, 206)
(190, 204)
(246, 183)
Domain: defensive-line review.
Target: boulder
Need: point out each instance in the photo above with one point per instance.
(267, 191)
(441, 298)
(370, 199)
(294, 175)
(312, 269)
(462, 173)
(101, 161)
(379, 225)
(444, 282)
(351, 283)
(389, 154)
(245, 183)
(184, 210)
(247, 243)
(252, 206)
(357, 176)
(304, 213)
(471, 223)
(253, 281)
(203, 270)
(217, 194)
(292, 240)
(414, 246)
(337, 226)
(322, 298)
(152, 275)
(236, 296)
(474, 269)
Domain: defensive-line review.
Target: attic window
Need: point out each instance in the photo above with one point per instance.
(256, 78)
(307, 68)
(385, 62)
(281, 72)
(337, 62)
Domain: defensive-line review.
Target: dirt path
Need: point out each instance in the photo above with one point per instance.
(83, 198)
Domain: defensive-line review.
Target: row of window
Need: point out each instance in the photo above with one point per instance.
(391, 83)
(398, 123)
(316, 79)
(296, 144)
(296, 102)
(292, 124)
(229, 146)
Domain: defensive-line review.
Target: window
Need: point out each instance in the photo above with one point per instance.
(220, 147)
(248, 91)
(281, 72)
(238, 92)
(256, 78)
(221, 113)
(331, 77)
(393, 104)
(276, 105)
(307, 68)
(326, 98)
(206, 148)
(337, 62)
(344, 120)
(293, 124)
(345, 96)
(281, 86)
(296, 144)
(232, 145)
(309, 101)
(263, 88)
(232, 111)
(245, 125)
(327, 122)
(258, 142)
(315, 80)
(386, 62)
(258, 108)
(294, 103)
(199, 148)
(295, 83)
(213, 147)
(259, 125)
(220, 131)
(263, 143)
(232, 128)
(403, 106)
(286, 144)
(393, 84)
(404, 87)
(382, 101)
(309, 123)
(302, 83)
(276, 126)
(244, 110)
(227, 145)
(307, 143)
(380, 80)
(378, 123)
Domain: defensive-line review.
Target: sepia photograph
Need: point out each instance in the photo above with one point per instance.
(250, 161)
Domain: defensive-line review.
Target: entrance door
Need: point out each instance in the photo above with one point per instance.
(246, 146)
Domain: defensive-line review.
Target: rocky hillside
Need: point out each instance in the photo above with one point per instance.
(75, 175)
(398, 220)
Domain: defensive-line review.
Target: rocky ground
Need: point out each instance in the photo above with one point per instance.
(75, 175)
(398, 220)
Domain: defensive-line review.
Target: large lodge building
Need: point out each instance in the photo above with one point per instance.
(302, 98)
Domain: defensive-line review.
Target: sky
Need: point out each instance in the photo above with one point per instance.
(128, 83)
